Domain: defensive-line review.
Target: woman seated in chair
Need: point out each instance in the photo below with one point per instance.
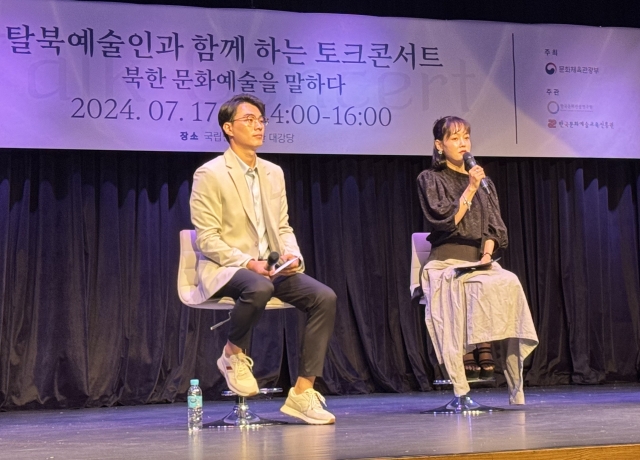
(469, 310)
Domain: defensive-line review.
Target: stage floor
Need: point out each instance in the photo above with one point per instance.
(380, 425)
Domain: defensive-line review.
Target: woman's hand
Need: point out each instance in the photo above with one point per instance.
(476, 174)
(486, 258)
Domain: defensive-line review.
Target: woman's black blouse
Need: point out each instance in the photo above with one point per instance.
(440, 192)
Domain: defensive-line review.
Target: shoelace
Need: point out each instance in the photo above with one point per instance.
(316, 400)
(243, 365)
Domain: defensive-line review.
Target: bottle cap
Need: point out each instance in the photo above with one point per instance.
(195, 382)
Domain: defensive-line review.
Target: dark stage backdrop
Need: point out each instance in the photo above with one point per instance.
(611, 13)
(89, 254)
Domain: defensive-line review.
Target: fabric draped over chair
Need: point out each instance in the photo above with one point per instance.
(476, 307)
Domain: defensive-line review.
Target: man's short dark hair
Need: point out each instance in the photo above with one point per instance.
(228, 109)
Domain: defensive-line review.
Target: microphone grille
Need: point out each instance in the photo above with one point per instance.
(469, 161)
(273, 258)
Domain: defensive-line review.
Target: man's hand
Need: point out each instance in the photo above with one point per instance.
(260, 267)
(291, 269)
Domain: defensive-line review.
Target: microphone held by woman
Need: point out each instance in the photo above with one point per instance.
(470, 162)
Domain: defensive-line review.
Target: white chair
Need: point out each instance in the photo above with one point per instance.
(420, 250)
(190, 255)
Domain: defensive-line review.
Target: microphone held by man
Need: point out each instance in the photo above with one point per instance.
(272, 260)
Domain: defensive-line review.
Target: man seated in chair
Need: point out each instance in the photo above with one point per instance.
(240, 213)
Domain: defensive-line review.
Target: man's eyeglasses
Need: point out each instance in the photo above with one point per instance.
(251, 120)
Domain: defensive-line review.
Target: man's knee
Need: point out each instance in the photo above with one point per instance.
(328, 295)
(326, 298)
(259, 292)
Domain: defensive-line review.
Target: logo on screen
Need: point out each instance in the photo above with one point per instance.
(553, 107)
(552, 123)
(550, 68)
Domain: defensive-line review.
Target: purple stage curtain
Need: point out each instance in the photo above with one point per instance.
(89, 256)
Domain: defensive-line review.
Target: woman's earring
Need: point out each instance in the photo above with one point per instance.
(440, 152)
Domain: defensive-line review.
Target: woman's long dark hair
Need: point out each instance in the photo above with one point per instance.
(442, 129)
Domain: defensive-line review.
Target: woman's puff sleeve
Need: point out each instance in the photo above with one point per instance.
(439, 205)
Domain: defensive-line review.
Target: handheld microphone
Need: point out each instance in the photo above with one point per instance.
(272, 260)
(470, 162)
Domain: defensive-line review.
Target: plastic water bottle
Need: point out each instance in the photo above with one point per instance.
(194, 401)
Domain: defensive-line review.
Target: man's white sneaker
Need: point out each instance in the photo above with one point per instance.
(237, 372)
(308, 407)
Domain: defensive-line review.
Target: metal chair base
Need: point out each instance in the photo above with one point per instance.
(444, 382)
(462, 405)
(241, 416)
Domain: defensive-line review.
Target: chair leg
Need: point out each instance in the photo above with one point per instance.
(241, 416)
(463, 405)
